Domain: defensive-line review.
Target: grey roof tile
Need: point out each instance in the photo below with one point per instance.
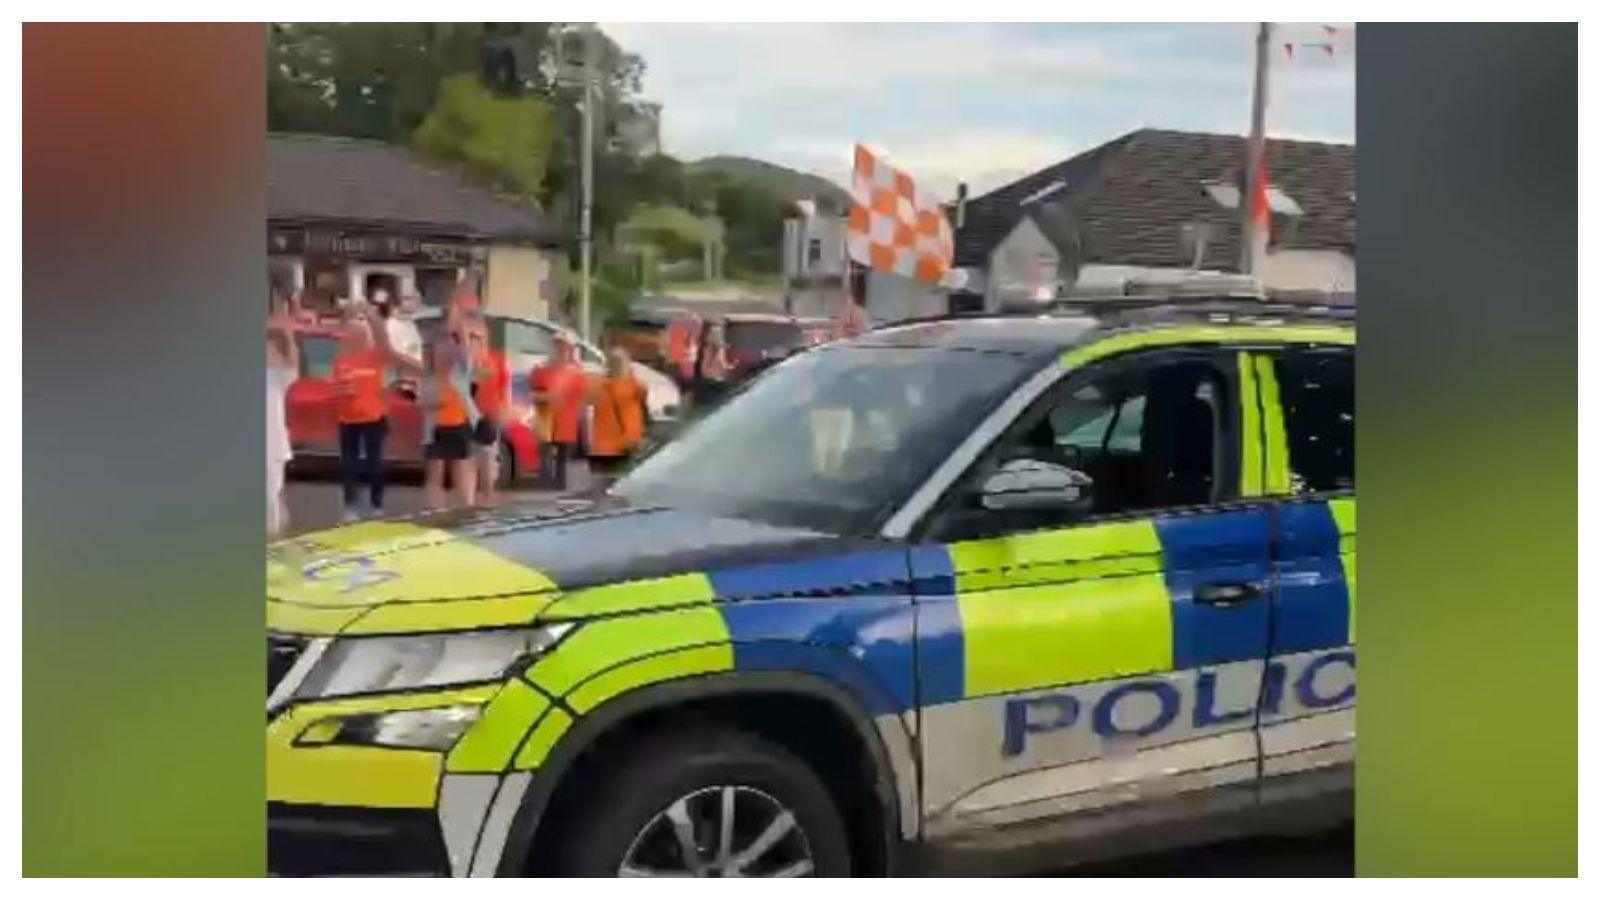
(1134, 195)
(312, 178)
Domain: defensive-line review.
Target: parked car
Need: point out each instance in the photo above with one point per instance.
(313, 415)
(752, 342)
(753, 338)
(644, 334)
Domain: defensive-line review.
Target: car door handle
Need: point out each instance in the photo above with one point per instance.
(1230, 593)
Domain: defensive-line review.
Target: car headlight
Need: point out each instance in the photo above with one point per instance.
(370, 665)
(413, 729)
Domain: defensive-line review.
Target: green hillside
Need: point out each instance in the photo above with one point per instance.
(781, 180)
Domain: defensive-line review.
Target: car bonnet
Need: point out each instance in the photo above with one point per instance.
(455, 572)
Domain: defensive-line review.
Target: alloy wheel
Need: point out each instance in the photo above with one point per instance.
(726, 831)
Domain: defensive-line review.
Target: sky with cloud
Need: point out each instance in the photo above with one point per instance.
(981, 103)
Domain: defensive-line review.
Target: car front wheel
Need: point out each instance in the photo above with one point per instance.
(710, 803)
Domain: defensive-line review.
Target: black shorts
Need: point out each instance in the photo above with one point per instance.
(609, 466)
(449, 442)
(486, 434)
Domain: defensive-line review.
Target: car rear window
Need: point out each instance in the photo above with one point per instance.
(316, 355)
(763, 335)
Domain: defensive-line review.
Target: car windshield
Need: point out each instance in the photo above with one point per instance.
(831, 440)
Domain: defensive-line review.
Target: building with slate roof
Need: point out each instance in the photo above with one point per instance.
(346, 217)
(1154, 204)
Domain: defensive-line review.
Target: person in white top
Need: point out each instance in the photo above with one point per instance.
(283, 366)
(404, 336)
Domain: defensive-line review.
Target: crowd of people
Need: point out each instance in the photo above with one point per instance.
(462, 386)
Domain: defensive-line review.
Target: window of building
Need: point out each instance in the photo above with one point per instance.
(1226, 195)
(436, 284)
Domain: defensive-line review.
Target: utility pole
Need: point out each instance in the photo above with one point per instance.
(1255, 150)
(586, 222)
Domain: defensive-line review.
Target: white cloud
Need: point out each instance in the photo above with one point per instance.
(722, 59)
(939, 162)
(981, 102)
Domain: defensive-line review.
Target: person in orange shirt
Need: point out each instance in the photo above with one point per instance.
(449, 415)
(619, 416)
(682, 347)
(560, 388)
(358, 375)
(491, 390)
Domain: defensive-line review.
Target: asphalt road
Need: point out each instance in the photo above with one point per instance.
(314, 498)
(314, 503)
(1330, 855)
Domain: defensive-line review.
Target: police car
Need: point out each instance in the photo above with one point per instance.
(1002, 593)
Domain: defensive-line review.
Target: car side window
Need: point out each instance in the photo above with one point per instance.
(1139, 434)
(1317, 390)
(522, 339)
(316, 355)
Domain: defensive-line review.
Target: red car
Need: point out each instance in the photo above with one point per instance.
(313, 413)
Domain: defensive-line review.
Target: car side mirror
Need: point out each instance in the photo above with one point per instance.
(1030, 484)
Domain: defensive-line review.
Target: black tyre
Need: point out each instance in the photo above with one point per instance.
(506, 477)
(711, 802)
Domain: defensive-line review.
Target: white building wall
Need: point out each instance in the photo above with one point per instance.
(1023, 266)
(1309, 270)
(814, 264)
(892, 298)
(1324, 270)
(517, 276)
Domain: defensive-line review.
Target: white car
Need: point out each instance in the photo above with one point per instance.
(527, 343)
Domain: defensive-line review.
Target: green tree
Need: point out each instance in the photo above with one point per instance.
(503, 142)
(662, 181)
(372, 79)
(753, 214)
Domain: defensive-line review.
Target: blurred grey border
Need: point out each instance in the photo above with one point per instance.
(144, 299)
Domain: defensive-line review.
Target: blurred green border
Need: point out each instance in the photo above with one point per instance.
(1467, 450)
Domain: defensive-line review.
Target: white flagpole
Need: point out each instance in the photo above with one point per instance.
(1251, 246)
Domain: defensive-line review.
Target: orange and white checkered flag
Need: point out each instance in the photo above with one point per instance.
(893, 226)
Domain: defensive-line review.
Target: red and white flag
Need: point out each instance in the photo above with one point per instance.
(894, 226)
(1261, 211)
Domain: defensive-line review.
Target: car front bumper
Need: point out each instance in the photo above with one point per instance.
(306, 840)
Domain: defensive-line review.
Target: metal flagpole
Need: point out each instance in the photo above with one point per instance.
(586, 224)
(1250, 246)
